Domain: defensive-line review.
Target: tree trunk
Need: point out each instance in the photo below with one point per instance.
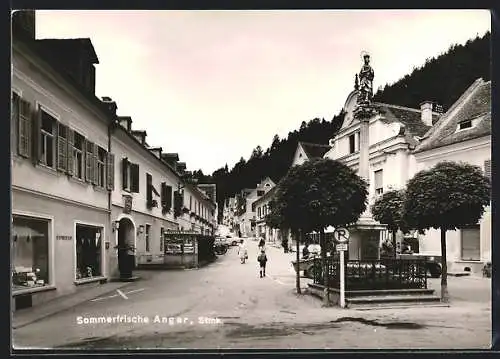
(324, 266)
(298, 239)
(394, 242)
(445, 297)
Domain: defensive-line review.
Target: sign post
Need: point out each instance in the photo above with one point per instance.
(341, 235)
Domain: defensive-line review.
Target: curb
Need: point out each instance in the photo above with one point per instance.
(63, 309)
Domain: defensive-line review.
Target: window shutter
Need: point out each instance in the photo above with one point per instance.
(471, 243)
(110, 171)
(149, 188)
(36, 134)
(487, 168)
(69, 151)
(62, 147)
(95, 172)
(168, 198)
(14, 122)
(134, 177)
(24, 127)
(163, 195)
(125, 165)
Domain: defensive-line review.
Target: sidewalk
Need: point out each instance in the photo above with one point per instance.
(24, 317)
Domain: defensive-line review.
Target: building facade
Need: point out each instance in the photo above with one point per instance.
(85, 186)
(391, 135)
(246, 214)
(262, 209)
(61, 169)
(142, 199)
(463, 134)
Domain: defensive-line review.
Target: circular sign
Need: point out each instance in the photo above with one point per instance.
(341, 235)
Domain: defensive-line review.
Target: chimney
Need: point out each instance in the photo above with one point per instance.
(125, 122)
(23, 23)
(140, 136)
(426, 110)
(110, 104)
(156, 151)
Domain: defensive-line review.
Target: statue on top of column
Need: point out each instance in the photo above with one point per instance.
(366, 76)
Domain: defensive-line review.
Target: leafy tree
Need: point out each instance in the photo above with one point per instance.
(387, 209)
(317, 194)
(447, 197)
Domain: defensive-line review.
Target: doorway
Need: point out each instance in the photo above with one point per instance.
(126, 247)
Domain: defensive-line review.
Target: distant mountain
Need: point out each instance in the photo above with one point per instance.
(442, 80)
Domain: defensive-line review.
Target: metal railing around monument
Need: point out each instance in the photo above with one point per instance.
(374, 274)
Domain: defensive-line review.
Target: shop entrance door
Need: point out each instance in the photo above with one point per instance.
(126, 254)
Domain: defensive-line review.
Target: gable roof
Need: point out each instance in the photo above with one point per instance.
(314, 150)
(475, 103)
(411, 118)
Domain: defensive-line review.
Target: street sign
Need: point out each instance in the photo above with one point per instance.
(341, 247)
(341, 235)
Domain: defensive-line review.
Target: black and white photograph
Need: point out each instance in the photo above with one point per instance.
(250, 180)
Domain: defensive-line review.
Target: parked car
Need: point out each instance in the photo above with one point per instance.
(233, 240)
(433, 263)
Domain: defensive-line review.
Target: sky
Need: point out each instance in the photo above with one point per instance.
(212, 85)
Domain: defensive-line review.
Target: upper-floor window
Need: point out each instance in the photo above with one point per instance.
(130, 176)
(190, 202)
(44, 139)
(166, 197)
(101, 172)
(260, 193)
(77, 149)
(354, 140)
(379, 184)
(47, 139)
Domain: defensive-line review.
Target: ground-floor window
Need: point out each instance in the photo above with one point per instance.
(30, 252)
(88, 251)
(471, 239)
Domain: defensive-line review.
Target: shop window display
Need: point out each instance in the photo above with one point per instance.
(30, 252)
(88, 251)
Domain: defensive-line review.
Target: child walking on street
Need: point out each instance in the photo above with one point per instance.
(262, 258)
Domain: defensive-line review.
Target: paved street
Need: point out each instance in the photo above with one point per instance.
(227, 305)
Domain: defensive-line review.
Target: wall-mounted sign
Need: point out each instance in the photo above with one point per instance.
(188, 248)
(127, 203)
(64, 238)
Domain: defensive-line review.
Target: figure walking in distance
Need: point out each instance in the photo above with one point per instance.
(242, 251)
(262, 259)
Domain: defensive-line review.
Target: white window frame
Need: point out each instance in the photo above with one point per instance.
(103, 252)
(101, 168)
(78, 152)
(378, 191)
(43, 133)
(51, 254)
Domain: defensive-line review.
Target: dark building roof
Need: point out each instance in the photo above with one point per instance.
(314, 150)
(411, 118)
(70, 46)
(475, 103)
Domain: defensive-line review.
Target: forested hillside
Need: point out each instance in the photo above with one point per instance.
(442, 79)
